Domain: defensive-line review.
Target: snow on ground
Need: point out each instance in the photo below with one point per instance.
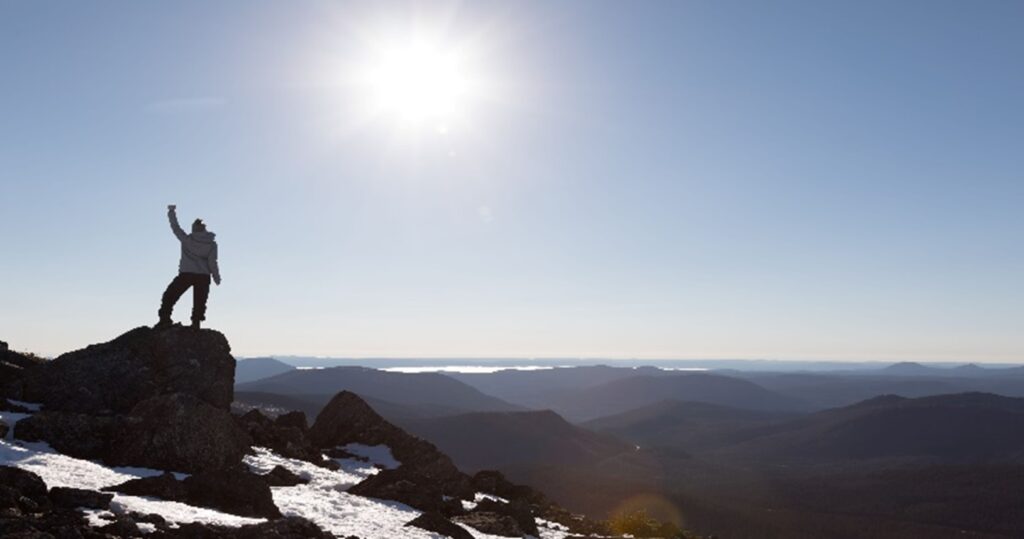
(29, 405)
(323, 500)
(376, 454)
(59, 470)
(10, 418)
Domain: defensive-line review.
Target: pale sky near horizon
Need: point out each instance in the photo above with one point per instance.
(793, 180)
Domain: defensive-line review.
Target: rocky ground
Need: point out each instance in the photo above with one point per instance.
(160, 400)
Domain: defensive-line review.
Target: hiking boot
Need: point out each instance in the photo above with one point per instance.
(164, 323)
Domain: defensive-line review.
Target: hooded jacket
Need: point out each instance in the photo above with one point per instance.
(198, 250)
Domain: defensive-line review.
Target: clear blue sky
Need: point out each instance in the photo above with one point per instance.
(828, 180)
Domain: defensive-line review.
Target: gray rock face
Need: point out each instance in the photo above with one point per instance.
(178, 432)
(115, 376)
(169, 432)
(78, 435)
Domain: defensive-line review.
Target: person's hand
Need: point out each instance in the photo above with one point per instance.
(217, 281)
(171, 207)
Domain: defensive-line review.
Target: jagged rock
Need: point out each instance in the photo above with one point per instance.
(78, 435)
(234, 491)
(75, 497)
(437, 523)
(287, 438)
(164, 486)
(282, 477)
(492, 523)
(348, 419)
(178, 432)
(517, 510)
(115, 376)
(3, 429)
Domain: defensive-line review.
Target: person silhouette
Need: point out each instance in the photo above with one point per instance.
(198, 264)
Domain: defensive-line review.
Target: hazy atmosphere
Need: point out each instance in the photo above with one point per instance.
(792, 180)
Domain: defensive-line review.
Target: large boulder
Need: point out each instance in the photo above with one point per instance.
(169, 432)
(178, 432)
(235, 490)
(115, 376)
(78, 435)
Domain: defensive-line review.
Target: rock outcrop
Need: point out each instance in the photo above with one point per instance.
(153, 398)
(348, 419)
(115, 376)
(178, 432)
(168, 432)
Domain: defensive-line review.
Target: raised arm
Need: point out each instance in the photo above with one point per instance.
(175, 227)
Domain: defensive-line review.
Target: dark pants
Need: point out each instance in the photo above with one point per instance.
(200, 284)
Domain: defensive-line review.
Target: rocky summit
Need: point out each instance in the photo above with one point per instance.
(160, 400)
(113, 377)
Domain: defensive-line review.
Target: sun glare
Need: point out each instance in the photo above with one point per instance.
(418, 84)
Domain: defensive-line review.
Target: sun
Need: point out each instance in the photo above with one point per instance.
(419, 83)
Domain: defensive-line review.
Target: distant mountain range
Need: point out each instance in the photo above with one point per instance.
(683, 425)
(740, 451)
(966, 427)
(258, 368)
(429, 394)
(634, 392)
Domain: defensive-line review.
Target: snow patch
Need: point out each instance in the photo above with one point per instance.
(35, 407)
(10, 418)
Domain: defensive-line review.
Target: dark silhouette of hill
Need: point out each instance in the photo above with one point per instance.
(537, 388)
(909, 368)
(627, 394)
(498, 440)
(258, 368)
(831, 390)
(683, 425)
(431, 394)
(967, 427)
